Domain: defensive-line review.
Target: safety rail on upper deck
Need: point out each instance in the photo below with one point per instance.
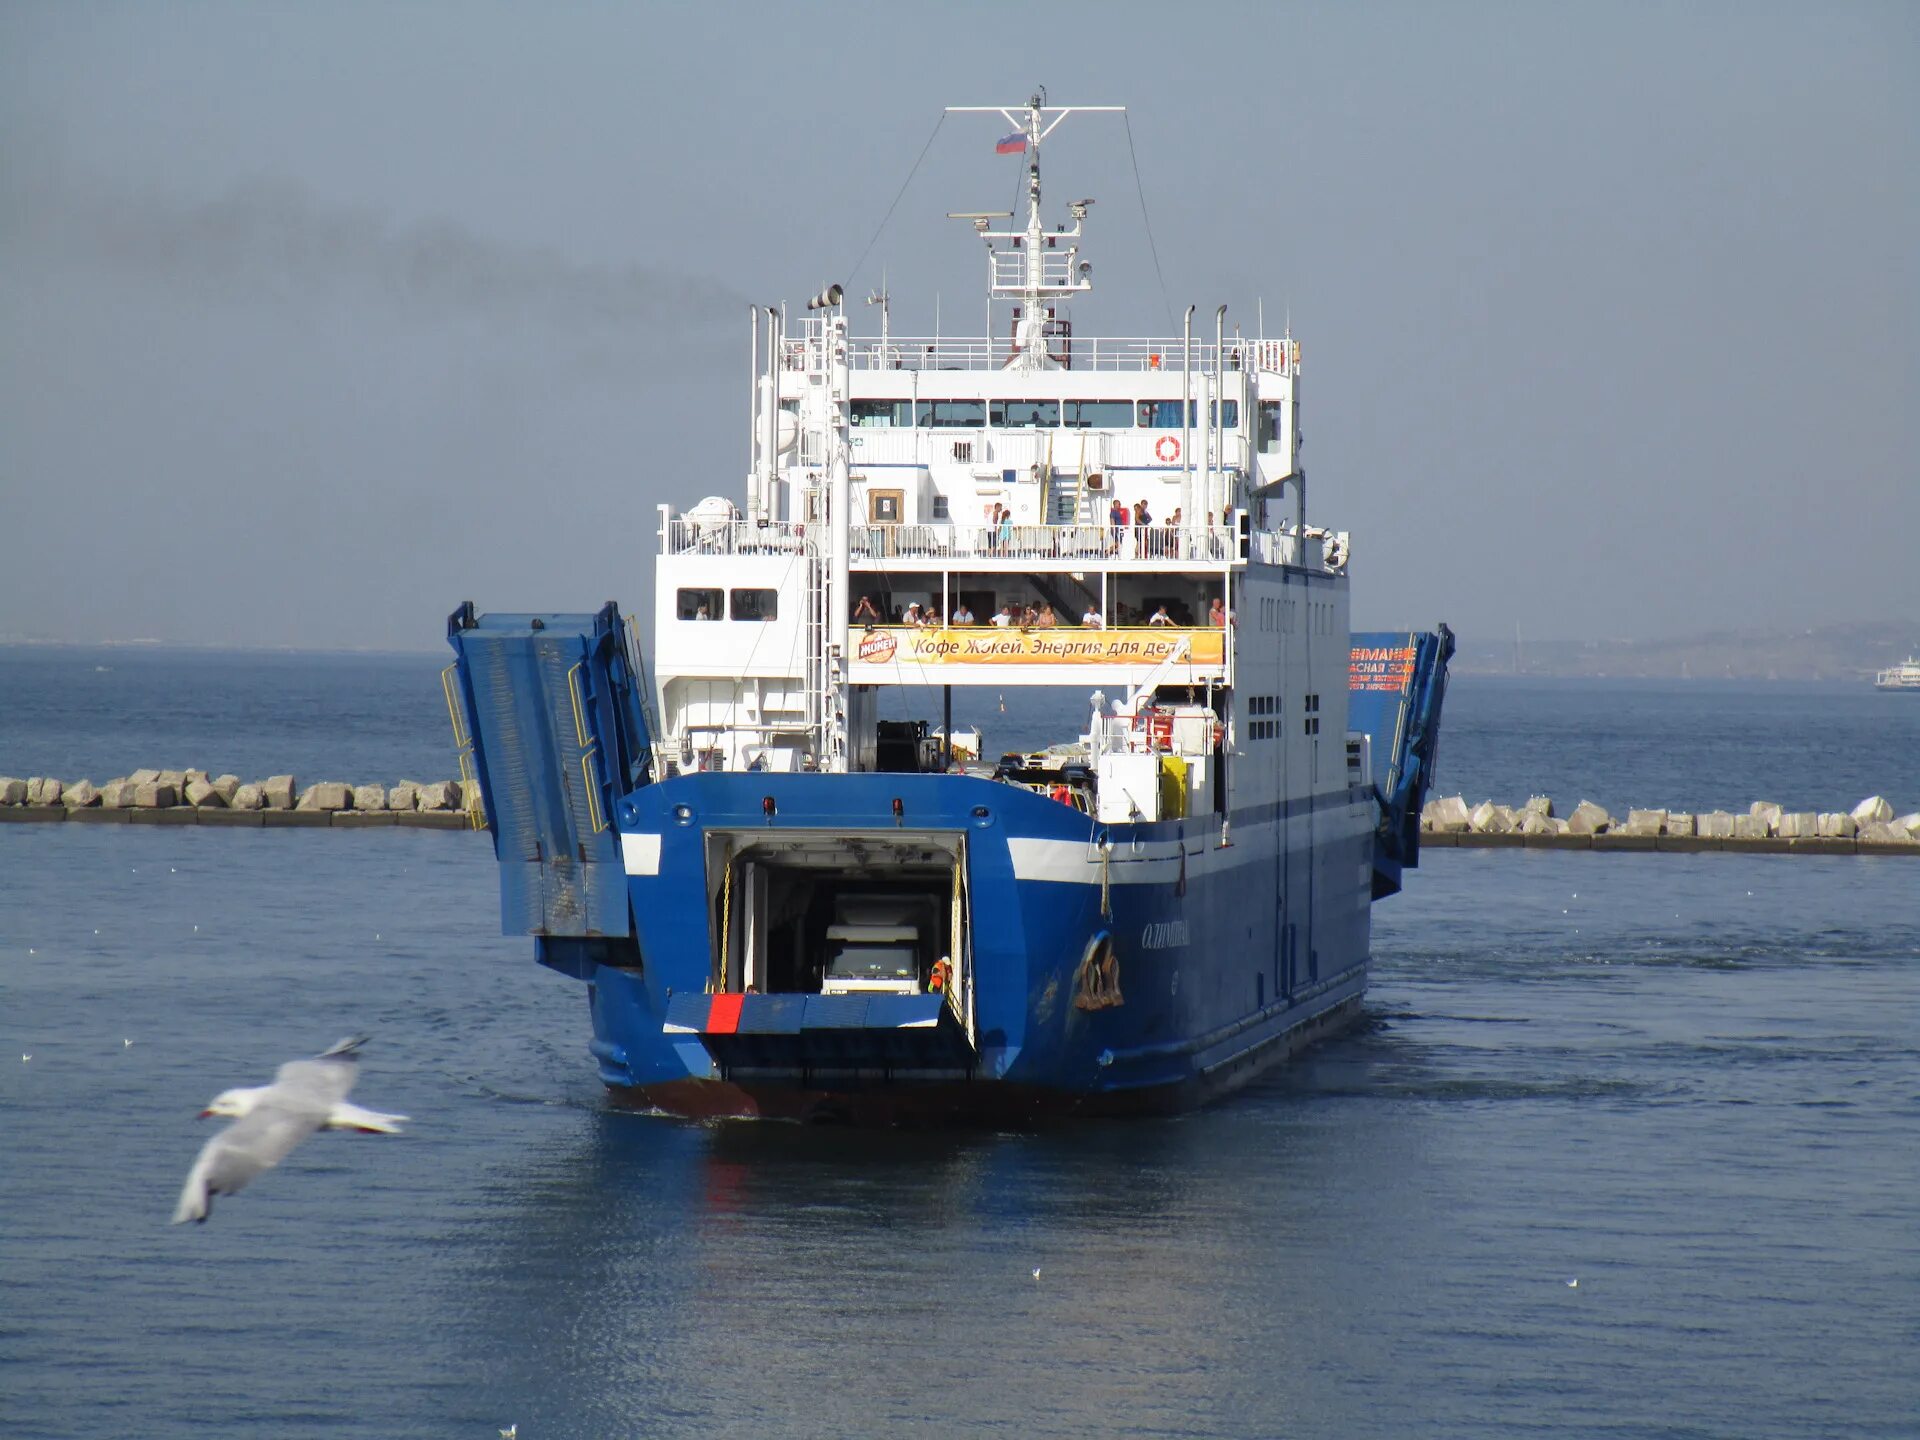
(1111, 353)
(1156, 544)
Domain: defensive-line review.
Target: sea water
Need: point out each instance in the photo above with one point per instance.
(1689, 1083)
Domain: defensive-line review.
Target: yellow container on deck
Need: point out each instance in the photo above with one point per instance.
(1173, 788)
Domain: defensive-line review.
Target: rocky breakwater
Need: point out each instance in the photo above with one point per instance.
(1870, 828)
(193, 797)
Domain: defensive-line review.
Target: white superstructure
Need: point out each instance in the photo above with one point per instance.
(898, 477)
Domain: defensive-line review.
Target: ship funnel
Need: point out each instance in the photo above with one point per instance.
(826, 299)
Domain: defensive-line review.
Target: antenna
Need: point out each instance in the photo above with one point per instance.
(881, 298)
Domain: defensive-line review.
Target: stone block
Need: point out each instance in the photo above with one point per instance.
(246, 797)
(277, 792)
(1588, 819)
(1564, 840)
(227, 785)
(116, 794)
(1835, 825)
(144, 777)
(1822, 845)
(325, 795)
(1884, 832)
(401, 796)
(1678, 823)
(47, 792)
(100, 815)
(189, 776)
(369, 797)
(1539, 805)
(1767, 812)
(202, 794)
(1751, 827)
(176, 778)
(1621, 840)
(439, 795)
(80, 795)
(1532, 822)
(1798, 825)
(1686, 844)
(154, 796)
(457, 820)
(1873, 808)
(1909, 823)
(22, 814)
(12, 791)
(328, 795)
(165, 815)
(1645, 822)
(1488, 818)
(1491, 839)
(1714, 825)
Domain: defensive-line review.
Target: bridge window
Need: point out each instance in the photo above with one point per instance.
(756, 604)
(1269, 426)
(951, 414)
(1026, 414)
(1228, 408)
(693, 604)
(881, 414)
(1100, 414)
(1163, 414)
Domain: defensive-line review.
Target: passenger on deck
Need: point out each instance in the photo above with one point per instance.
(1217, 613)
(1045, 619)
(865, 612)
(1160, 617)
(961, 615)
(1117, 519)
(1005, 617)
(1092, 619)
(912, 617)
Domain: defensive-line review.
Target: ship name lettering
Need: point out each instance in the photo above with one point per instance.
(1164, 935)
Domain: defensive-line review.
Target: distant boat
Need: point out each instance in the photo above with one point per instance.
(1904, 676)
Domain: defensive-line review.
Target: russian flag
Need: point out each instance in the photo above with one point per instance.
(1014, 144)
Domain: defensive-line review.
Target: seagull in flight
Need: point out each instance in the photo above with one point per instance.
(271, 1120)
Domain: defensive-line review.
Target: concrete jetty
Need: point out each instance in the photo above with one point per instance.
(1869, 828)
(192, 797)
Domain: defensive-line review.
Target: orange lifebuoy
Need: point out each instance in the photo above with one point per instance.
(1166, 449)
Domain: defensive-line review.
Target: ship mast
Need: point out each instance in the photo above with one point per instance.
(1030, 265)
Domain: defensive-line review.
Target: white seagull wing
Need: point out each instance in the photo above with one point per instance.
(321, 1083)
(245, 1149)
(352, 1117)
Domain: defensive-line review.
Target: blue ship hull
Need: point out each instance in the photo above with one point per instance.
(1102, 967)
(1208, 986)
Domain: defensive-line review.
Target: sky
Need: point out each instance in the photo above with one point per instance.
(317, 320)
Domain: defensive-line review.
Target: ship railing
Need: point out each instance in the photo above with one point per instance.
(1159, 544)
(1162, 543)
(694, 535)
(1140, 354)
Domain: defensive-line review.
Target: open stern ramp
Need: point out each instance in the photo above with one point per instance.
(818, 1039)
(554, 716)
(1396, 684)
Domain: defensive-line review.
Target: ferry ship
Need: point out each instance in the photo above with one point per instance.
(783, 904)
(1904, 676)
